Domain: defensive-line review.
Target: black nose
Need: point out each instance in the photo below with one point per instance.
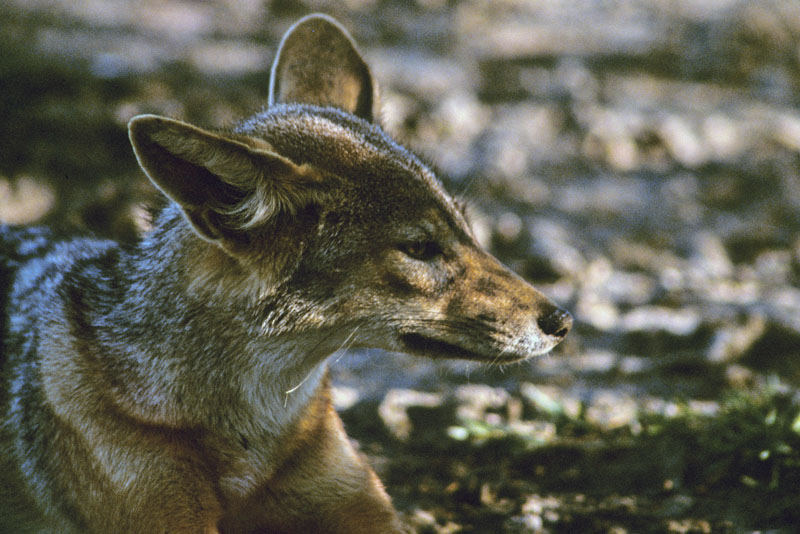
(556, 323)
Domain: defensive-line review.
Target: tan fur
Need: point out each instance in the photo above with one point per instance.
(180, 386)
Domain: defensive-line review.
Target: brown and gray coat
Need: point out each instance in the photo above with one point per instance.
(180, 385)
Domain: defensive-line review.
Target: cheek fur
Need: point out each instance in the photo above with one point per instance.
(406, 278)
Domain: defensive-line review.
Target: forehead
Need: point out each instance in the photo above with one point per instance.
(372, 163)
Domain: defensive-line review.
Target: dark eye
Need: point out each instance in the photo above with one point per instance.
(421, 250)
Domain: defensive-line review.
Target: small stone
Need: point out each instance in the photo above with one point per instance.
(723, 136)
(601, 314)
(738, 376)
(541, 400)
(633, 365)
(343, 397)
(682, 141)
(475, 399)
(422, 518)
(509, 226)
(732, 341)
(537, 432)
(393, 409)
(711, 257)
(787, 131)
(24, 201)
(553, 241)
(630, 288)
(680, 322)
(458, 433)
(774, 266)
(611, 410)
(551, 400)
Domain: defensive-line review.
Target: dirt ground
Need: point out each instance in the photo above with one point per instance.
(637, 160)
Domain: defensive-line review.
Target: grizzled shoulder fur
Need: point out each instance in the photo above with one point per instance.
(18, 246)
(42, 277)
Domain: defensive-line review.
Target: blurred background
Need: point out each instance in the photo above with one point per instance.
(637, 160)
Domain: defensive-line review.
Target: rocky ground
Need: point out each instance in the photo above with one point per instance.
(639, 161)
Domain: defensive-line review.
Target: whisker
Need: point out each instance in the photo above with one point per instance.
(305, 379)
(465, 188)
(499, 357)
(346, 344)
(292, 390)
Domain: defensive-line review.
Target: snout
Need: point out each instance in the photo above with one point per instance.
(488, 313)
(525, 322)
(556, 323)
(493, 315)
(539, 332)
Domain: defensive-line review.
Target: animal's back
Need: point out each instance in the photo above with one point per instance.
(43, 281)
(17, 247)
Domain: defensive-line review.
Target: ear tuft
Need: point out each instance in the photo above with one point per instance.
(223, 185)
(318, 63)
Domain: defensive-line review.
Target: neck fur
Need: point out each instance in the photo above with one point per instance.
(204, 355)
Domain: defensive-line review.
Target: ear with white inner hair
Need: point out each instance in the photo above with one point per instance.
(224, 185)
(318, 63)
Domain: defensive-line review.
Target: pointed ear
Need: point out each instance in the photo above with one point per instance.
(318, 63)
(223, 185)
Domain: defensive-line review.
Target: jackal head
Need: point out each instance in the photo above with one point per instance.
(335, 226)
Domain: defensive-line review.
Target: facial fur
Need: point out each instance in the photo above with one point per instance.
(391, 254)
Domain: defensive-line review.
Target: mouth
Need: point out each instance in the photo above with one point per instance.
(422, 345)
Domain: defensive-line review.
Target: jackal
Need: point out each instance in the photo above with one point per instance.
(180, 385)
